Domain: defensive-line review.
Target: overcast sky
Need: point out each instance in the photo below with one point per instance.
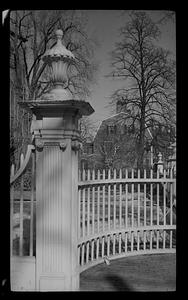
(104, 25)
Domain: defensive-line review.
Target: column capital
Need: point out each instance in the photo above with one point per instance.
(40, 143)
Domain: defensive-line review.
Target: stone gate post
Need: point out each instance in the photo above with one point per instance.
(57, 141)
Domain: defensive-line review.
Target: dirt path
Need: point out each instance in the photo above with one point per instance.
(137, 273)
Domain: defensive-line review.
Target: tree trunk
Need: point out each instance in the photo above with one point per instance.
(141, 143)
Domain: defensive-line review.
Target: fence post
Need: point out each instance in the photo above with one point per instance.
(57, 141)
(160, 164)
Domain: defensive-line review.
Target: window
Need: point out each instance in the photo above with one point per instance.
(111, 129)
(125, 129)
(131, 129)
(90, 148)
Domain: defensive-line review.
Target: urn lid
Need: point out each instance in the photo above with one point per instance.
(59, 50)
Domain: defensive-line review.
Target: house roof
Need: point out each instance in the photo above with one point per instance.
(117, 118)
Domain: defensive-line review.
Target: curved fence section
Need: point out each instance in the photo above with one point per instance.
(23, 206)
(125, 212)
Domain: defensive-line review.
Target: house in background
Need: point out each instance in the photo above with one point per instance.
(114, 145)
(171, 161)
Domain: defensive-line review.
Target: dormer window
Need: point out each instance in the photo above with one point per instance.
(111, 129)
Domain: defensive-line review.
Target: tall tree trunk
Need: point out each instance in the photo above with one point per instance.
(140, 160)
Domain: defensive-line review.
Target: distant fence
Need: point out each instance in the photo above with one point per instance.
(125, 212)
(23, 206)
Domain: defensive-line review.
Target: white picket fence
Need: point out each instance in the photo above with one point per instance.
(121, 212)
(125, 212)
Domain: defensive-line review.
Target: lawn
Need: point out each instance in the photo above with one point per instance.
(156, 272)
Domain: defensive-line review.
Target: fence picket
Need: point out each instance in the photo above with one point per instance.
(114, 244)
(120, 243)
(87, 252)
(103, 246)
(103, 203)
(108, 245)
(145, 216)
(164, 197)
(138, 199)
(32, 203)
(98, 208)
(83, 213)
(151, 237)
(79, 213)
(79, 255)
(132, 199)
(144, 239)
(164, 203)
(158, 207)
(138, 240)
(97, 250)
(120, 205)
(82, 257)
(93, 209)
(126, 205)
(125, 241)
(151, 199)
(132, 241)
(157, 240)
(83, 175)
(164, 238)
(170, 239)
(109, 202)
(171, 206)
(98, 202)
(88, 210)
(114, 212)
(21, 218)
(92, 250)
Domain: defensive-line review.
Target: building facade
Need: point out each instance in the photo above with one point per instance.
(114, 144)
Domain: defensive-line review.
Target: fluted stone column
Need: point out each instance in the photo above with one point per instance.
(57, 144)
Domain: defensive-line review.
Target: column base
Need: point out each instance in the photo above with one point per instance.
(49, 283)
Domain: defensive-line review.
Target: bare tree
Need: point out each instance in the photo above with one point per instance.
(166, 17)
(31, 34)
(87, 129)
(148, 74)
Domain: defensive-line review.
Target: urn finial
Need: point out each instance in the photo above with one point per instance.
(58, 59)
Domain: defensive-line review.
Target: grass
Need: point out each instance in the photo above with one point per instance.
(156, 272)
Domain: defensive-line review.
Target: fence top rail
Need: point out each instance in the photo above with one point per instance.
(23, 166)
(118, 231)
(88, 177)
(126, 180)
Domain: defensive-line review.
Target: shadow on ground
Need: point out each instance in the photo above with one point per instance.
(154, 272)
(117, 283)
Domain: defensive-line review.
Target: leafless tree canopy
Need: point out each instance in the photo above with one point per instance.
(148, 73)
